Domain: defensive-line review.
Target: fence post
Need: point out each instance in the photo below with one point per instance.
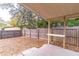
(38, 33)
(1, 34)
(30, 33)
(13, 33)
(52, 29)
(38, 36)
(77, 37)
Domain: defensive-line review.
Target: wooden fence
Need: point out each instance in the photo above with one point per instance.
(10, 33)
(37, 33)
(72, 34)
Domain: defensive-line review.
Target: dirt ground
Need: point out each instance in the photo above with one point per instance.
(13, 46)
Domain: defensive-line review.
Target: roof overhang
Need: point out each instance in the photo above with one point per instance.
(53, 10)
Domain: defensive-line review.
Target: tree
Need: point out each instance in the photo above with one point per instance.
(22, 17)
(2, 25)
(42, 24)
(73, 22)
(12, 8)
(13, 22)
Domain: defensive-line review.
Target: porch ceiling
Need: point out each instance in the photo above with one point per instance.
(53, 10)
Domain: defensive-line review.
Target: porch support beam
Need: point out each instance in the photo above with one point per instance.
(49, 32)
(65, 24)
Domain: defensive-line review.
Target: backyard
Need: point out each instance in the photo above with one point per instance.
(14, 46)
(23, 29)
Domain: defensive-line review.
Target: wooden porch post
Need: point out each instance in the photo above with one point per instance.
(49, 31)
(64, 40)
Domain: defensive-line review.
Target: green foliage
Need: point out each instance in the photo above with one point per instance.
(73, 22)
(22, 17)
(2, 25)
(21, 25)
(70, 22)
(42, 24)
(57, 23)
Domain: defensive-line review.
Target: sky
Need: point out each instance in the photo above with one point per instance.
(4, 14)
